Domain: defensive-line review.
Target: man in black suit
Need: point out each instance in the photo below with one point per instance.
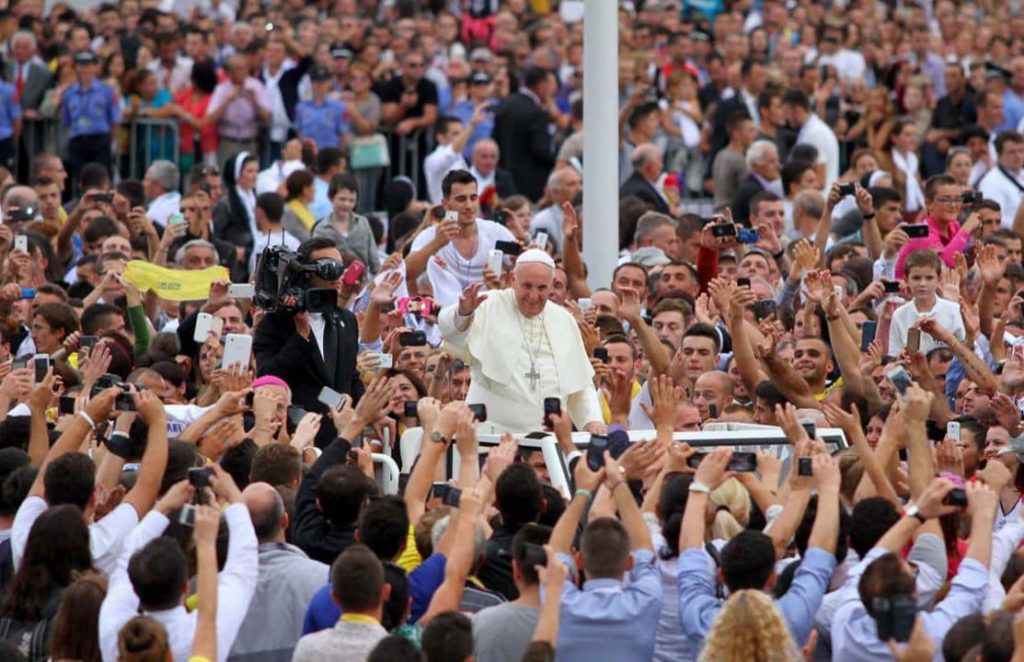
(754, 76)
(31, 80)
(647, 167)
(765, 167)
(521, 130)
(313, 350)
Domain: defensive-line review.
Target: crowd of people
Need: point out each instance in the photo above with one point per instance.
(322, 374)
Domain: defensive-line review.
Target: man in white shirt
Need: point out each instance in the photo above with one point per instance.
(451, 138)
(161, 188)
(172, 70)
(277, 63)
(151, 575)
(1005, 182)
(849, 64)
(69, 477)
(564, 185)
(815, 132)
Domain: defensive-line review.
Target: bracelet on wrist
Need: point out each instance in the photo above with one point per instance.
(584, 492)
(697, 486)
(88, 419)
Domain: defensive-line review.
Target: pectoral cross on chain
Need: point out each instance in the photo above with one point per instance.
(533, 376)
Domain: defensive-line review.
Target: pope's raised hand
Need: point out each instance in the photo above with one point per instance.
(470, 299)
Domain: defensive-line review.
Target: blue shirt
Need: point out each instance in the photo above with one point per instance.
(89, 112)
(321, 206)
(610, 619)
(698, 604)
(323, 122)
(464, 111)
(423, 582)
(10, 110)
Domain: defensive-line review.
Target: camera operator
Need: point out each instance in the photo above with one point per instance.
(312, 350)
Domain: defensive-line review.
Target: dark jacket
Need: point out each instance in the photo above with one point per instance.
(312, 532)
(740, 204)
(282, 352)
(525, 144)
(496, 571)
(230, 219)
(638, 186)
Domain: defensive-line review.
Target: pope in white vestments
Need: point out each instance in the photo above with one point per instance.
(521, 349)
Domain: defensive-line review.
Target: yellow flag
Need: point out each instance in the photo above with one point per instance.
(173, 284)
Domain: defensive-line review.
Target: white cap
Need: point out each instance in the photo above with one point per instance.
(535, 255)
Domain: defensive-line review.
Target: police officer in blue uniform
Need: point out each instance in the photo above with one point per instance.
(90, 111)
(321, 118)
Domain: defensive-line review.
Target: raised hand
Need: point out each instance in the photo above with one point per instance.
(629, 309)
(470, 299)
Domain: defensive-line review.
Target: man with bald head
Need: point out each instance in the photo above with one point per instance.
(521, 349)
(288, 580)
(711, 393)
(648, 165)
(564, 185)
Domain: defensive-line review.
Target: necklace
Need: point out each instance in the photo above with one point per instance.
(532, 375)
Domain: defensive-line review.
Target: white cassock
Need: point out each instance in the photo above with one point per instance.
(517, 361)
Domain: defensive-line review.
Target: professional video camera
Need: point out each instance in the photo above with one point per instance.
(282, 282)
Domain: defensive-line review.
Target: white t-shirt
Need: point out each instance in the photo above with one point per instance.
(997, 186)
(106, 536)
(467, 270)
(849, 64)
(817, 133)
(946, 313)
(438, 164)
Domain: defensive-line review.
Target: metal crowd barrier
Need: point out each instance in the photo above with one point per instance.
(150, 140)
(406, 155)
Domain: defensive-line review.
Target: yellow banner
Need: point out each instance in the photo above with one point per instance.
(173, 284)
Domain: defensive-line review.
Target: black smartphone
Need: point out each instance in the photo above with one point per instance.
(741, 461)
(501, 218)
(480, 411)
(694, 460)
(891, 286)
(66, 405)
(803, 467)
(295, 414)
(601, 354)
(409, 408)
(712, 410)
(437, 490)
(595, 451)
(723, 230)
(894, 617)
(956, 497)
(847, 189)
(742, 282)
(916, 230)
(102, 197)
(810, 428)
(199, 478)
(551, 406)
(41, 364)
(534, 555)
(86, 342)
(763, 308)
(867, 334)
(452, 496)
(412, 339)
(508, 247)
(250, 398)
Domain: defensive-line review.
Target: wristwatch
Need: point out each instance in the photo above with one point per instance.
(915, 512)
(439, 438)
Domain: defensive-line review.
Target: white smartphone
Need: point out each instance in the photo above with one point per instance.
(385, 361)
(205, 322)
(584, 304)
(494, 260)
(241, 290)
(541, 241)
(450, 215)
(332, 398)
(838, 289)
(237, 349)
(953, 430)
(21, 243)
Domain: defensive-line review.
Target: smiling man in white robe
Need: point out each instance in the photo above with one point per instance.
(521, 349)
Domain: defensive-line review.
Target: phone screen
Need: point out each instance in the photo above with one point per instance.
(595, 452)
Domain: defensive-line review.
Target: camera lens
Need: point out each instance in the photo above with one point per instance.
(329, 269)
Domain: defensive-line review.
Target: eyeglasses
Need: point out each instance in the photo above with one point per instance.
(948, 201)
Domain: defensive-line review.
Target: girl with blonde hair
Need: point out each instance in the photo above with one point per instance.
(730, 510)
(749, 629)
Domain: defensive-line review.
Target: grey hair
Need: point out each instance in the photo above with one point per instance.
(479, 539)
(164, 173)
(650, 222)
(759, 150)
(179, 257)
(25, 34)
(809, 202)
